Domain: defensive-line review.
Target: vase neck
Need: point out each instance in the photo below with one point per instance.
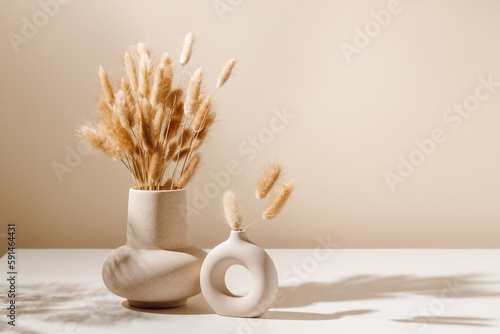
(157, 220)
(239, 235)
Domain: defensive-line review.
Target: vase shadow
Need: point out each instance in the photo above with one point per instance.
(194, 305)
(289, 315)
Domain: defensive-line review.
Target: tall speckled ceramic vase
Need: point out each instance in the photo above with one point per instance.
(157, 268)
(238, 249)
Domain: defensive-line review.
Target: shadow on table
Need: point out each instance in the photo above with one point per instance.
(288, 315)
(70, 305)
(87, 305)
(364, 287)
(198, 305)
(367, 287)
(439, 320)
(74, 305)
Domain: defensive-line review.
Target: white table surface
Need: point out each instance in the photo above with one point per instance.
(327, 291)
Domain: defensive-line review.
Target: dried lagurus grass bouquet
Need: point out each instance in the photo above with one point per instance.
(265, 185)
(153, 126)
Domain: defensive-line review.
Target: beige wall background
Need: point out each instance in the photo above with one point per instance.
(351, 118)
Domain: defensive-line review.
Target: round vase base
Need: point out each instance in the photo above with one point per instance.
(169, 304)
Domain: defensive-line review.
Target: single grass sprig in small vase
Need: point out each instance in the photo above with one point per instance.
(265, 185)
(238, 249)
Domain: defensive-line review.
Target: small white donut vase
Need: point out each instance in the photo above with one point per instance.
(239, 250)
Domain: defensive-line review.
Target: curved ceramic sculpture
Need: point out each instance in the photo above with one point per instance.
(238, 249)
(156, 268)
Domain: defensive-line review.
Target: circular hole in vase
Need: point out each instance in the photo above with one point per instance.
(238, 280)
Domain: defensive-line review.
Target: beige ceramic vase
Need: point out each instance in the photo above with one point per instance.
(157, 268)
(238, 249)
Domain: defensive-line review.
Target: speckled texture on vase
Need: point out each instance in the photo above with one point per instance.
(238, 249)
(156, 268)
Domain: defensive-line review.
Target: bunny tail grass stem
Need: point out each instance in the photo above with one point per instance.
(175, 101)
(130, 169)
(125, 165)
(189, 152)
(255, 221)
(178, 157)
(177, 163)
(134, 174)
(248, 211)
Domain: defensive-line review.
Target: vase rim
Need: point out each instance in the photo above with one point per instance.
(157, 191)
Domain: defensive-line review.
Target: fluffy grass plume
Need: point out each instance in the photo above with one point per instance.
(145, 125)
(190, 171)
(144, 70)
(187, 49)
(201, 113)
(193, 92)
(232, 210)
(106, 88)
(162, 82)
(226, 72)
(123, 111)
(130, 69)
(267, 180)
(279, 201)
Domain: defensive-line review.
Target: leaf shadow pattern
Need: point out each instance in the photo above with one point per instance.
(366, 287)
(65, 303)
(440, 320)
